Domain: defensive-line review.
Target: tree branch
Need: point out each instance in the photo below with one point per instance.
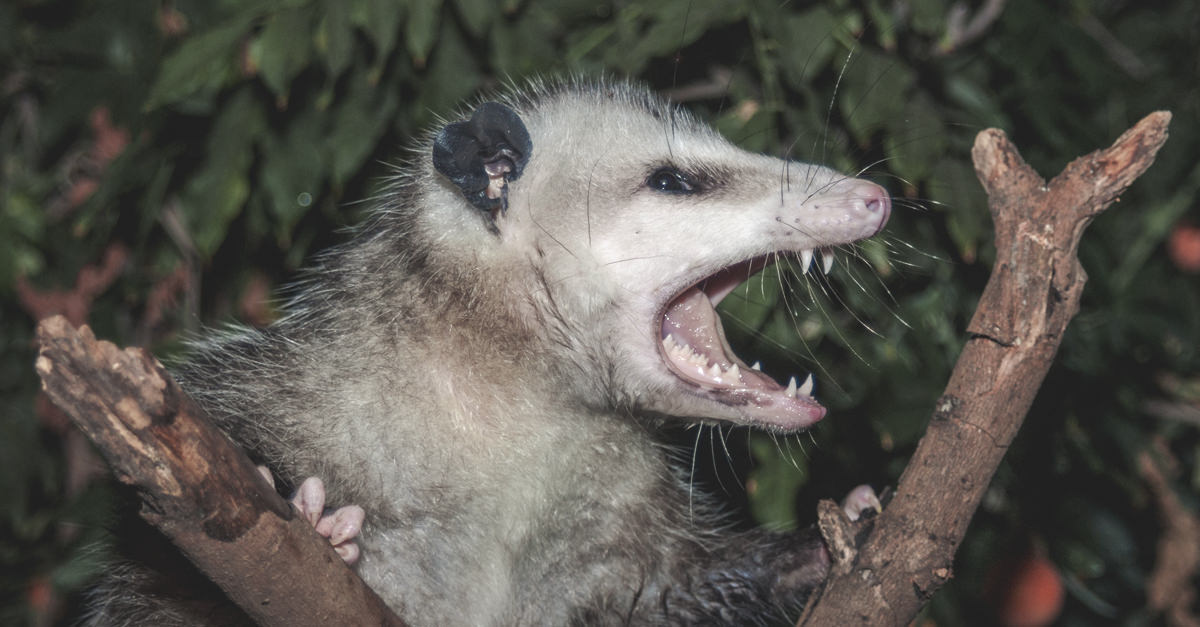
(199, 489)
(1033, 293)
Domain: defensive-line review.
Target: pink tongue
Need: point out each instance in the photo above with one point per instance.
(693, 321)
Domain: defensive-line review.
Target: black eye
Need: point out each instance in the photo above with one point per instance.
(670, 181)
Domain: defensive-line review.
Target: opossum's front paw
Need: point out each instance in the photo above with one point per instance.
(340, 525)
(859, 500)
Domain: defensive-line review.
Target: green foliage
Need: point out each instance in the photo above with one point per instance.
(230, 140)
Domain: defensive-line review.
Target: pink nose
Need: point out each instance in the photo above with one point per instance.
(872, 199)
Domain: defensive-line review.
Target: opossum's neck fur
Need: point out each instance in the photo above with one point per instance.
(481, 380)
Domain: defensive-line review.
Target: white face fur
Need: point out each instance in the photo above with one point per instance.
(631, 207)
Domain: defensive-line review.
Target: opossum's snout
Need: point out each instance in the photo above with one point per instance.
(693, 344)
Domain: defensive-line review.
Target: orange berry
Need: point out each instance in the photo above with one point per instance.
(1031, 594)
(1183, 246)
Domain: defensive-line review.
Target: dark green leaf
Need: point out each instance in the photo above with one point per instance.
(283, 48)
(806, 43)
(294, 170)
(212, 199)
(214, 196)
(521, 46)
(21, 224)
(929, 17)
(477, 15)
(8, 29)
(420, 31)
(754, 133)
(357, 124)
(380, 19)
(663, 28)
(202, 64)
(335, 37)
(453, 75)
(775, 481)
(915, 141)
(954, 186)
(874, 92)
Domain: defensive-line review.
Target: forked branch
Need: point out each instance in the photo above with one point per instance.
(1032, 294)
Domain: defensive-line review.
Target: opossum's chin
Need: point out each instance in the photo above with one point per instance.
(695, 350)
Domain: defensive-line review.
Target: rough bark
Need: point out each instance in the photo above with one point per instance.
(199, 489)
(1032, 294)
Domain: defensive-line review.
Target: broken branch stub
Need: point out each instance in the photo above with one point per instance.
(197, 488)
(1032, 295)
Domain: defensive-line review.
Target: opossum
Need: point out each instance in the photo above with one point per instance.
(485, 368)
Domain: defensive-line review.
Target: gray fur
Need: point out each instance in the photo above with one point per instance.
(490, 396)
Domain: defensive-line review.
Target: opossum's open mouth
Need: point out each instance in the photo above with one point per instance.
(695, 350)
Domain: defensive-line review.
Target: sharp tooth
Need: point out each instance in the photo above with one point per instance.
(669, 341)
(807, 387)
(827, 260)
(791, 388)
(756, 366)
(715, 372)
(805, 260)
(734, 372)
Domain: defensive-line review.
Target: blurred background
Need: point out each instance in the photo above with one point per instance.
(166, 166)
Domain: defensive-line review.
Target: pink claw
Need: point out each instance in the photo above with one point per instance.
(341, 526)
(310, 500)
(859, 500)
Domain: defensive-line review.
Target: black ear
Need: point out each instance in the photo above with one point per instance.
(483, 153)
